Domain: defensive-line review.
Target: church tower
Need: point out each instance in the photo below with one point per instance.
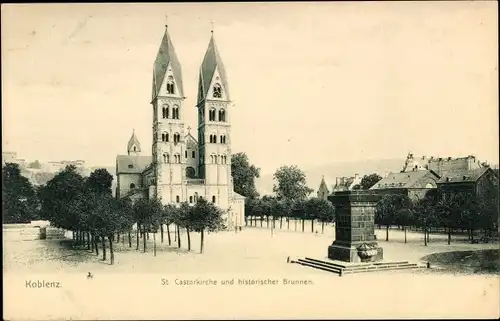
(168, 125)
(214, 129)
(133, 146)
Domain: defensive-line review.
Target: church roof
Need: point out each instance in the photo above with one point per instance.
(238, 196)
(211, 62)
(133, 141)
(166, 55)
(401, 180)
(322, 185)
(132, 164)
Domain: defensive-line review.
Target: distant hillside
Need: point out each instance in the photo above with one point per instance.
(313, 175)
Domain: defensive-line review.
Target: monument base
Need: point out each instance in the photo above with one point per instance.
(349, 253)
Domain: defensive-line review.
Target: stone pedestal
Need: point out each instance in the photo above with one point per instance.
(355, 227)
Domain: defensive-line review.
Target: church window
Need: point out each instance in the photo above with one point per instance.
(213, 199)
(217, 91)
(222, 115)
(186, 154)
(135, 149)
(190, 172)
(193, 154)
(132, 185)
(130, 166)
(166, 158)
(177, 199)
(175, 112)
(165, 111)
(170, 85)
(190, 199)
(177, 137)
(211, 114)
(164, 137)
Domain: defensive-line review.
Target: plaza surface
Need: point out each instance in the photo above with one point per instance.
(135, 286)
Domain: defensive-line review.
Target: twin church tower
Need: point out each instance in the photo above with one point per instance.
(183, 168)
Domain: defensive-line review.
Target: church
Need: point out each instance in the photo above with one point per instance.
(185, 168)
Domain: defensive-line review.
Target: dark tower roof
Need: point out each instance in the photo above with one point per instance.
(133, 141)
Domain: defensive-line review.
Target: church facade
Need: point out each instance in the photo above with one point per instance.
(182, 167)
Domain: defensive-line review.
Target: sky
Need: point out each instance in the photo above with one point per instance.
(312, 83)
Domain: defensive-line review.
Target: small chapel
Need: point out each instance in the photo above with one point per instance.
(184, 167)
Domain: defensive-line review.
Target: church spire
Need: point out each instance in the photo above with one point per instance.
(167, 59)
(133, 146)
(212, 70)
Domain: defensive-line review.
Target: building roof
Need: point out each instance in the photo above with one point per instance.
(166, 55)
(462, 175)
(238, 196)
(133, 141)
(401, 180)
(211, 62)
(322, 185)
(132, 164)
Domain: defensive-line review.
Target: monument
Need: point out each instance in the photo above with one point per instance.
(355, 239)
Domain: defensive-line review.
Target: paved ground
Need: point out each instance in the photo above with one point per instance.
(132, 288)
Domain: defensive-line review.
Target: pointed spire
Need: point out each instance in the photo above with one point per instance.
(166, 56)
(211, 62)
(133, 142)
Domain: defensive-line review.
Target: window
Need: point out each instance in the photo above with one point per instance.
(130, 166)
(164, 137)
(165, 111)
(212, 160)
(185, 154)
(213, 199)
(132, 185)
(211, 114)
(190, 172)
(217, 91)
(177, 199)
(213, 139)
(135, 149)
(170, 85)
(166, 158)
(177, 137)
(190, 199)
(177, 158)
(222, 115)
(193, 154)
(175, 112)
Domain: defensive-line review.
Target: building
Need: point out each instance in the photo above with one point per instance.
(183, 168)
(346, 183)
(479, 181)
(323, 191)
(11, 157)
(414, 184)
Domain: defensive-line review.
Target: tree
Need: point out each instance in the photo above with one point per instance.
(206, 216)
(291, 183)
(323, 210)
(426, 213)
(244, 175)
(100, 181)
(168, 219)
(19, 200)
(369, 180)
(388, 209)
(299, 211)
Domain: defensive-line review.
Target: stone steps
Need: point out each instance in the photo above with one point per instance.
(340, 269)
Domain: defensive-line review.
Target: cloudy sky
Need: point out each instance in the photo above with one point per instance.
(312, 83)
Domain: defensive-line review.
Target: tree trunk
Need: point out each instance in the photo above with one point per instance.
(178, 237)
(168, 235)
(96, 245)
(428, 235)
(202, 239)
(267, 221)
(138, 236)
(261, 219)
(88, 241)
(288, 223)
(74, 235)
(161, 230)
(312, 226)
(147, 235)
(111, 252)
(103, 241)
(405, 235)
(295, 220)
(154, 244)
(387, 233)
(425, 235)
(472, 235)
(322, 227)
(92, 242)
(175, 232)
(129, 239)
(189, 238)
(449, 235)
(144, 241)
(274, 222)
(303, 221)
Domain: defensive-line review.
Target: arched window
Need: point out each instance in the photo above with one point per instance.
(166, 158)
(135, 149)
(164, 137)
(175, 112)
(190, 172)
(165, 111)
(185, 154)
(132, 185)
(190, 199)
(211, 114)
(193, 154)
(223, 159)
(177, 199)
(170, 85)
(177, 137)
(222, 115)
(213, 199)
(213, 159)
(217, 92)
